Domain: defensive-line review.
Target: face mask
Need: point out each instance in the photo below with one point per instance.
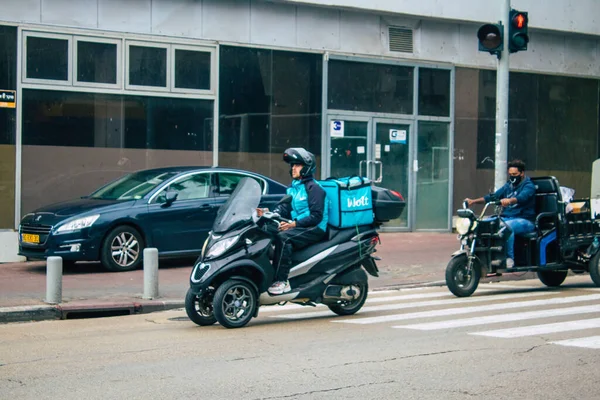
(515, 180)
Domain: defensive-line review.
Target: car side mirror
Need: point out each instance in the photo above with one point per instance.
(285, 199)
(170, 197)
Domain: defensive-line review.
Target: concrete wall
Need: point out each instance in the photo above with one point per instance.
(443, 33)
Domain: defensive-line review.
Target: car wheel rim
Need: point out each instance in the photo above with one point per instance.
(237, 303)
(125, 249)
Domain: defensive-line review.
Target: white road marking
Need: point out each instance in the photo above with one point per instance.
(494, 319)
(542, 329)
(388, 307)
(591, 342)
(468, 310)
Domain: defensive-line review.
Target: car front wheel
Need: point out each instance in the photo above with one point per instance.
(122, 249)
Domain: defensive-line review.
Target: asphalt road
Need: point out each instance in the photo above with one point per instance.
(509, 340)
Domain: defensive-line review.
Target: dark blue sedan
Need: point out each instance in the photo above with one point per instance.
(171, 209)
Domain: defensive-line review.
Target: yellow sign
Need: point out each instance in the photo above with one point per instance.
(8, 99)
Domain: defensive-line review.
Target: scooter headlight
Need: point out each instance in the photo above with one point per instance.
(221, 246)
(463, 225)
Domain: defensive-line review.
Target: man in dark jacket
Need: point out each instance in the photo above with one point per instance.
(518, 199)
(307, 210)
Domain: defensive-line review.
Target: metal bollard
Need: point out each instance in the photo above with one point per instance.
(54, 271)
(150, 273)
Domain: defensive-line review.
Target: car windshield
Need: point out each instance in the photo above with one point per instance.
(132, 186)
(239, 207)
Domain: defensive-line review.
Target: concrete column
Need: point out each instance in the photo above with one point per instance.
(54, 272)
(150, 273)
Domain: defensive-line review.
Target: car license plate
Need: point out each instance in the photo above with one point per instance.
(29, 238)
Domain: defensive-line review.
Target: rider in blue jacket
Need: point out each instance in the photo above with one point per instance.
(307, 210)
(518, 199)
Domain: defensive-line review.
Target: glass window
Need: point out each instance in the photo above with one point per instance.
(132, 186)
(57, 118)
(434, 92)
(8, 125)
(147, 66)
(96, 62)
(361, 86)
(554, 127)
(193, 187)
(47, 58)
(269, 101)
(192, 69)
(229, 181)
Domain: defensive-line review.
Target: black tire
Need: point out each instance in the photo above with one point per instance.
(595, 269)
(459, 282)
(200, 310)
(552, 278)
(231, 298)
(122, 249)
(352, 306)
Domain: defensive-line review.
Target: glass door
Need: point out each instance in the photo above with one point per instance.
(433, 176)
(392, 162)
(348, 145)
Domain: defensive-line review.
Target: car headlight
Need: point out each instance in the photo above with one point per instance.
(79, 223)
(463, 226)
(219, 247)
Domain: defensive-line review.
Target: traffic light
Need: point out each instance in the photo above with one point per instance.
(491, 38)
(517, 31)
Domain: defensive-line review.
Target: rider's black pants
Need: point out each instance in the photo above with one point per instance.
(288, 241)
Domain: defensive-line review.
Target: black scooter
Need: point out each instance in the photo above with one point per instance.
(229, 280)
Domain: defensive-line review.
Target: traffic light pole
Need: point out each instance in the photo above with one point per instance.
(500, 175)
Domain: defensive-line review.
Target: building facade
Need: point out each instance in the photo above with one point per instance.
(396, 90)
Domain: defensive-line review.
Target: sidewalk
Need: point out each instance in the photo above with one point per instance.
(407, 260)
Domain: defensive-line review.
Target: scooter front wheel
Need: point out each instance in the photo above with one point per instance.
(234, 303)
(199, 308)
(352, 306)
(461, 281)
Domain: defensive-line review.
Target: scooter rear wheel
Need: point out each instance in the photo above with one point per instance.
(595, 269)
(199, 309)
(460, 282)
(352, 306)
(552, 278)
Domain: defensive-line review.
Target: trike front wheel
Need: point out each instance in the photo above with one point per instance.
(460, 279)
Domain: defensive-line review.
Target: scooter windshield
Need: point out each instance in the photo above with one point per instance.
(239, 208)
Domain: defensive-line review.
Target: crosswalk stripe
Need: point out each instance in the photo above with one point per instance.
(378, 299)
(592, 342)
(468, 310)
(542, 329)
(389, 307)
(493, 319)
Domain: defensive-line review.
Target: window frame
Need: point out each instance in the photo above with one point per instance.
(44, 35)
(201, 49)
(159, 45)
(211, 187)
(119, 68)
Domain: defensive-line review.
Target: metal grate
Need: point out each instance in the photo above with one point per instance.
(401, 39)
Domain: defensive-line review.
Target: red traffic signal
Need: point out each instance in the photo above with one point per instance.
(490, 38)
(518, 36)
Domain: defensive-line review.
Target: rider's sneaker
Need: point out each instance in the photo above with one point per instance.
(280, 287)
(510, 263)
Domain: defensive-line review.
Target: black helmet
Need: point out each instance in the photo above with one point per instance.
(298, 155)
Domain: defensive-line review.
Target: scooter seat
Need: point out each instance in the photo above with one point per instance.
(335, 236)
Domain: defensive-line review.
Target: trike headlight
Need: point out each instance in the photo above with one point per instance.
(463, 225)
(219, 247)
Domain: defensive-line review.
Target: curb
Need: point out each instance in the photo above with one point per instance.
(78, 311)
